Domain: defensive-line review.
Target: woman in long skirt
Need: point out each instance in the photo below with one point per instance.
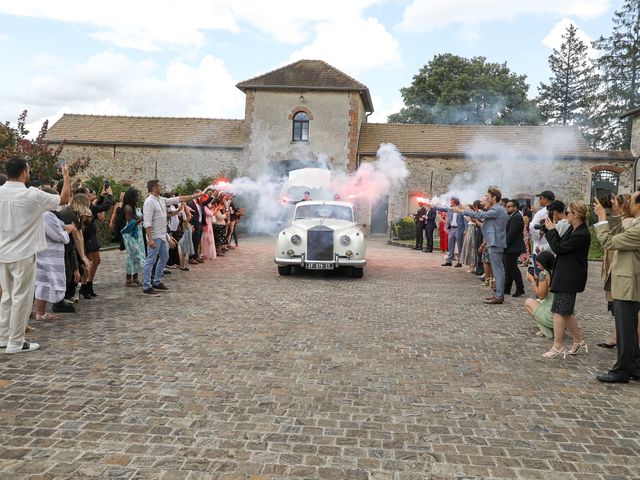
(51, 279)
(132, 237)
(185, 245)
(444, 235)
(208, 242)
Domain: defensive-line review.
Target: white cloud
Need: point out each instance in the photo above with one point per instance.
(341, 44)
(152, 24)
(426, 15)
(113, 84)
(554, 37)
(383, 109)
(143, 25)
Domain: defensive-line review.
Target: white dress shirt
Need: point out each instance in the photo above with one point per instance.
(21, 222)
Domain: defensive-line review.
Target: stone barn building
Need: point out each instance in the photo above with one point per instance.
(309, 113)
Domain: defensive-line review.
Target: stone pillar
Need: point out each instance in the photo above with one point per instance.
(635, 135)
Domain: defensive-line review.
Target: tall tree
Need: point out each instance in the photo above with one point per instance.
(455, 90)
(571, 94)
(619, 66)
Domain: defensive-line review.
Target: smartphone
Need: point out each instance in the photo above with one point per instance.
(61, 162)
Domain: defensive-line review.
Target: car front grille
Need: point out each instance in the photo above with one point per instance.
(320, 243)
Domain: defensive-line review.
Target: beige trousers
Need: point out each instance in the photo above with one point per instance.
(18, 281)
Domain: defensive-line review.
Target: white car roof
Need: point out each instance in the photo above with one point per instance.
(325, 202)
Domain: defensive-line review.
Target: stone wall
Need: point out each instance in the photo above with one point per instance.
(271, 128)
(569, 180)
(635, 135)
(138, 164)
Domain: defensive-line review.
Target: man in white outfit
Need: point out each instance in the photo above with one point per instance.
(21, 237)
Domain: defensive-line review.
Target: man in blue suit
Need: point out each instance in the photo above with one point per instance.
(494, 231)
(455, 226)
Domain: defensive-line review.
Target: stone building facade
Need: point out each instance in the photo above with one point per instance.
(309, 113)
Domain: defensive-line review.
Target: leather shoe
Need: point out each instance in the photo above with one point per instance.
(518, 294)
(495, 301)
(446, 264)
(611, 377)
(490, 298)
(458, 265)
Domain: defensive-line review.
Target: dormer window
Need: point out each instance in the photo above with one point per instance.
(300, 127)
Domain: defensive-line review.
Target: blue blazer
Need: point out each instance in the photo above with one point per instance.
(494, 228)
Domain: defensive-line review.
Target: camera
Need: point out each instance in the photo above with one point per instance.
(539, 226)
(107, 184)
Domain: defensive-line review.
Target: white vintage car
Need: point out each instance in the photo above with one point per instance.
(323, 235)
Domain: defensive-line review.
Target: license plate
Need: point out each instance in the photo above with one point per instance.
(319, 266)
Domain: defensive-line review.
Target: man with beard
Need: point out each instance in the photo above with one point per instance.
(21, 237)
(515, 248)
(494, 233)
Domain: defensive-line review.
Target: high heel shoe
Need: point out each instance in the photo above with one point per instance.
(580, 346)
(553, 353)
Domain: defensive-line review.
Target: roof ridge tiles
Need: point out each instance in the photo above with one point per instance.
(149, 117)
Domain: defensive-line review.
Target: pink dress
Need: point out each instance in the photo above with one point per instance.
(208, 243)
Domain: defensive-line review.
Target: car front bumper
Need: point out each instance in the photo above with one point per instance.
(337, 262)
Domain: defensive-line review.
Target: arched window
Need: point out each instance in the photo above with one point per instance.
(300, 127)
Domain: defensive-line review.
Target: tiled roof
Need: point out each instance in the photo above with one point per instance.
(161, 131)
(462, 140)
(308, 75)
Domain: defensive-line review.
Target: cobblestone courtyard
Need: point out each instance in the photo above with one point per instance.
(238, 373)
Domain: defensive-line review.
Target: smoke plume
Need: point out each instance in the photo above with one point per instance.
(262, 196)
(514, 171)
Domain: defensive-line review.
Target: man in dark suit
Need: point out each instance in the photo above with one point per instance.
(430, 226)
(420, 217)
(515, 248)
(197, 220)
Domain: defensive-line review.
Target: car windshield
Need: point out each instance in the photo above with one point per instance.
(336, 212)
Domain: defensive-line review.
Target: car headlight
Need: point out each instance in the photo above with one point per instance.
(345, 240)
(296, 240)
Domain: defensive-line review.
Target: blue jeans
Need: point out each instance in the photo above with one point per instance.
(161, 252)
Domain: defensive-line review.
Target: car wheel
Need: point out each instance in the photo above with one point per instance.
(285, 270)
(357, 272)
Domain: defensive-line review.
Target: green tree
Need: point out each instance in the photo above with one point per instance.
(454, 90)
(619, 65)
(42, 157)
(571, 94)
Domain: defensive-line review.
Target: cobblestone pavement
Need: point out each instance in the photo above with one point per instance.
(238, 373)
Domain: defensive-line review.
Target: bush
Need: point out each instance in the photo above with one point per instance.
(404, 228)
(188, 186)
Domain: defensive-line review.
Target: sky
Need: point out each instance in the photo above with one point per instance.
(183, 59)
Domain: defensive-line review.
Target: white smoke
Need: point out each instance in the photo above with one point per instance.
(262, 196)
(514, 171)
(373, 180)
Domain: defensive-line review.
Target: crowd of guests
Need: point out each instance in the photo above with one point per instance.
(50, 250)
(496, 237)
